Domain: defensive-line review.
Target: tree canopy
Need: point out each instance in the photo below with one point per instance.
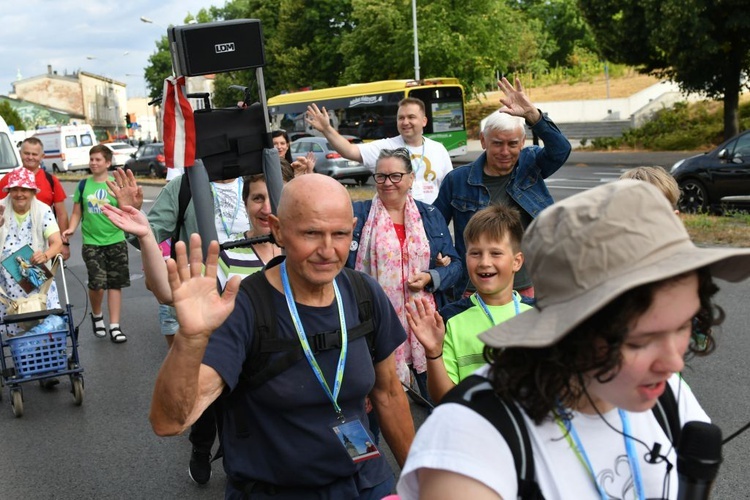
(11, 116)
(323, 43)
(704, 45)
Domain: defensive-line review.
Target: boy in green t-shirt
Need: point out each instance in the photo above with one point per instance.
(105, 251)
(450, 338)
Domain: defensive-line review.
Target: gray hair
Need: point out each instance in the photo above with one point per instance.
(503, 122)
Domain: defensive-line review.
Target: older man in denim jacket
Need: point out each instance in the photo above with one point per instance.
(506, 173)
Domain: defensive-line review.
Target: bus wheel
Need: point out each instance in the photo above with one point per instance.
(55, 168)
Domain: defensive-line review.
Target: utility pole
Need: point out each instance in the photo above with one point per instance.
(416, 39)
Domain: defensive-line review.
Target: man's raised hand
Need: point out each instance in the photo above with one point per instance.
(516, 102)
(200, 308)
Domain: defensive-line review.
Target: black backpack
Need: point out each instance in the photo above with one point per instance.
(257, 369)
(476, 393)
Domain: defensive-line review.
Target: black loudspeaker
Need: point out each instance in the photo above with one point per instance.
(202, 49)
(230, 141)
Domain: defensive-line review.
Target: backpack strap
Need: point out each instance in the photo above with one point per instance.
(257, 370)
(476, 393)
(81, 187)
(667, 414)
(183, 199)
(51, 181)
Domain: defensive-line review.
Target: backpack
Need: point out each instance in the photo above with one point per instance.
(476, 393)
(81, 187)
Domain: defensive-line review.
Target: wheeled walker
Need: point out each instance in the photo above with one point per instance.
(34, 357)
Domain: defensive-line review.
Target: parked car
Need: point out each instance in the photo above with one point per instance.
(121, 152)
(148, 160)
(329, 162)
(706, 179)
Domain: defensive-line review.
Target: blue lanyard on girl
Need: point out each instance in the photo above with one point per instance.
(629, 449)
(217, 204)
(333, 396)
(516, 307)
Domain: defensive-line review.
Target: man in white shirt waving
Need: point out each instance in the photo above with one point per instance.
(430, 160)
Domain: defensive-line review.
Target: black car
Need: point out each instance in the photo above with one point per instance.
(148, 160)
(708, 178)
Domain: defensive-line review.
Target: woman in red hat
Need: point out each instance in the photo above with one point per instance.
(27, 221)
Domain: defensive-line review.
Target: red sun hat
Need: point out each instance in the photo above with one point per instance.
(21, 177)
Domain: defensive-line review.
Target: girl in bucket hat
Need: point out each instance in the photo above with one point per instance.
(26, 221)
(622, 296)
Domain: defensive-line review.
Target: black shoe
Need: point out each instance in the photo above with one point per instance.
(200, 466)
(48, 383)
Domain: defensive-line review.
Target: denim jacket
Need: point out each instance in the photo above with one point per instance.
(443, 278)
(462, 192)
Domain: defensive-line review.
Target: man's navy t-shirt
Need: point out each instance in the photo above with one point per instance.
(291, 442)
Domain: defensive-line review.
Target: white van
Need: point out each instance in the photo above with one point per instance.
(66, 147)
(10, 158)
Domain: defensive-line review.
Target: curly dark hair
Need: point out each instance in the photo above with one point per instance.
(539, 378)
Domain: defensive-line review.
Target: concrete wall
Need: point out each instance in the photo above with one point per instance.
(610, 117)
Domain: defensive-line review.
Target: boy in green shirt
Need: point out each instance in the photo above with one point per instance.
(105, 251)
(450, 338)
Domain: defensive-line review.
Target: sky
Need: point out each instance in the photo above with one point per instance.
(99, 36)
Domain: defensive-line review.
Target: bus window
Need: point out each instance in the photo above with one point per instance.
(443, 107)
(71, 141)
(86, 140)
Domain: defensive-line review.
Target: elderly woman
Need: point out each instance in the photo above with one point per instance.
(27, 221)
(406, 246)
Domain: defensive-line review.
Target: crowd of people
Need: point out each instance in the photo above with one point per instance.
(296, 350)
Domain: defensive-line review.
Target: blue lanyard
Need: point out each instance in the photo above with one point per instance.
(416, 170)
(635, 468)
(486, 309)
(306, 345)
(580, 452)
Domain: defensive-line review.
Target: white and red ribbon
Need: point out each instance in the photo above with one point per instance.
(178, 124)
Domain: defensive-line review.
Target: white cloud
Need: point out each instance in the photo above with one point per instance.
(62, 33)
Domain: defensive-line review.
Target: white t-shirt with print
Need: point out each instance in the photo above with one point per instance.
(430, 163)
(230, 214)
(458, 439)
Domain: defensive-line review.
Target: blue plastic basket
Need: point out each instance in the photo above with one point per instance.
(39, 352)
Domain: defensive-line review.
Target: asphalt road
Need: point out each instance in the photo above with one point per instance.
(105, 448)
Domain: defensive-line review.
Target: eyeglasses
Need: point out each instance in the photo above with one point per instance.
(395, 177)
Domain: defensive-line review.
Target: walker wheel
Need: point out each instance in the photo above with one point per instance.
(16, 402)
(77, 390)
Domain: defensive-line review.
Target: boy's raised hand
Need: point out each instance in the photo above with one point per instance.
(427, 325)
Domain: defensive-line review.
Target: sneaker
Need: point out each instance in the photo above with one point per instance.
(200, 466)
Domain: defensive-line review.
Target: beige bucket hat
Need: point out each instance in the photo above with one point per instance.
(588, 249)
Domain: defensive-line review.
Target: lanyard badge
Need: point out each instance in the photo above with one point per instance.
(351, 434)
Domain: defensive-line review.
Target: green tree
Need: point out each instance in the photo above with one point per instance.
(565, 26)
(468, 39)
(11, 116)
(703, 45)
(367, 57)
